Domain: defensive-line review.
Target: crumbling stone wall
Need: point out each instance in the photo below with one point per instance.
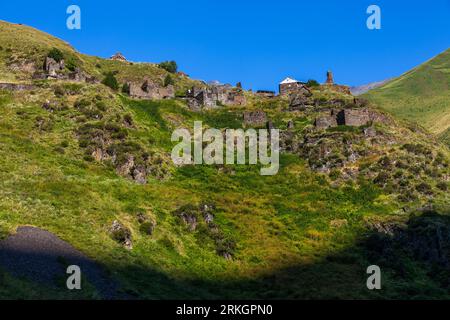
(149, 90)
(349, 117)
(265, 93)
(53, 68)
(255, 118)
(213, 96)
(353, 117)
(325, 122)
(293, 87)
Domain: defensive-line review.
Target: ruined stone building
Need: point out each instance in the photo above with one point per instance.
(214, 96)
(290, 85)
(150, 90)
(265, 93)
(335, 87)
(118, 56)
(329, 78)
(348, 117)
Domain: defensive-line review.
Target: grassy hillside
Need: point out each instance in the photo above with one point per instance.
(421, 95)
(303, 233)
(23, 50)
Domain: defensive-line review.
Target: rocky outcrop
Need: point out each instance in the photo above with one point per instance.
(16, 86)
(23, 66)
(124, 169)
(53, 68)
(201, 219)
(80, 76)
(189, 215)
(300, 101)
(121, 234)
(255, 118)
(150, 90)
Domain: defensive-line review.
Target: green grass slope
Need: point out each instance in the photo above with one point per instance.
(421, 95)
(298, 234)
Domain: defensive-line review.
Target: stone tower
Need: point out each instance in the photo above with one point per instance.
(330, 77)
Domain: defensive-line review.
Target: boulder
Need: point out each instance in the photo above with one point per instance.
(121, 234)
(370, 132)
(207, 212)
(139, 174)
(124, 169)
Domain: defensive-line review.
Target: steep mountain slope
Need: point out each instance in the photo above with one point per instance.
(421, 95)
(92, 165)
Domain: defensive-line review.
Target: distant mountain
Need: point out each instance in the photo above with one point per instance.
(421, 95)
(358, 90)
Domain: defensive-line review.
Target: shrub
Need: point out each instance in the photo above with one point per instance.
(417, 149)
(111, 81)
(71, 64)
(424, 188)
(442, 186)
(59, 149)
(147, 227)
(101, 106)
(169, 66)
(168, 81)
(59, 91)
(381, 179)
(128, 119)
(88, 158)
(126, 88)
(312, 83)
(82, 103)
(56, 55)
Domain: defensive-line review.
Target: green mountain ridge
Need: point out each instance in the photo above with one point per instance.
(420, 95)
(92, 165)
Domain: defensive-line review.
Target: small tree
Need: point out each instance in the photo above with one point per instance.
(169, 66)
(312, 83)
(168, 81)
(126, 88)
(56, 55)
(111, 81)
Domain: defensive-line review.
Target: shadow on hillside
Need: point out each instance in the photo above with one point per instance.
(414, 259)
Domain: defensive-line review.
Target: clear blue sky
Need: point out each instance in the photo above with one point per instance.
(256, 42)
